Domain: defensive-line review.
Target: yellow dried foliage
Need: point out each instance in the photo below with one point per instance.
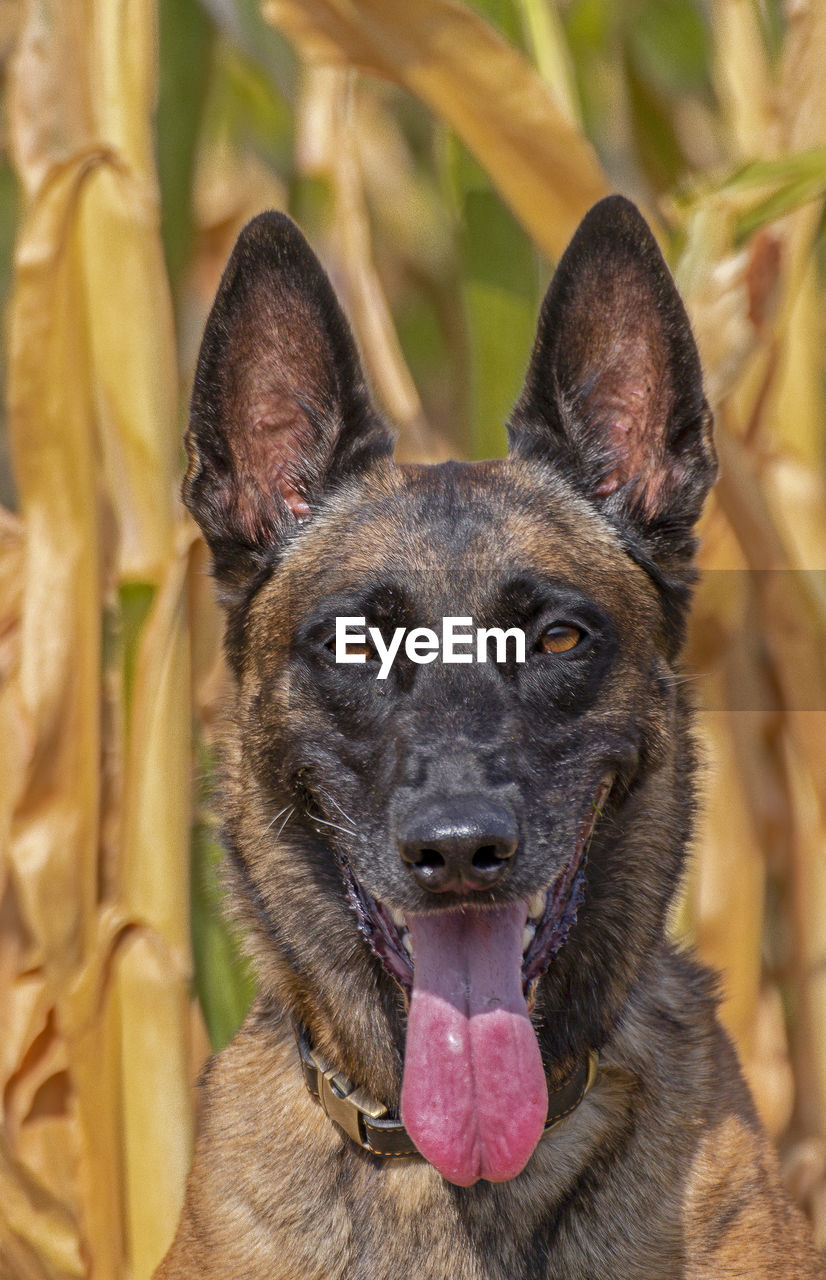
(469, 77)
(95, 1062)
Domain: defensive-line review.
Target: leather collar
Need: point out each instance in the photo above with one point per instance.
(371, 1126)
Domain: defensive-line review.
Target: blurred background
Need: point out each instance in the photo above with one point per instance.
(439, 157)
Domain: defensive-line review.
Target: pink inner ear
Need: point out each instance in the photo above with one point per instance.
(631, 413)
(625, 432)
(277, 446)
(279, 405)
(293, 500)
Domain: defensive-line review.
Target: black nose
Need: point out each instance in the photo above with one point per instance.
(458, 844)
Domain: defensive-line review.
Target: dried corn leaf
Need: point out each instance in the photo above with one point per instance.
(545, 35)
(802, 90)
(807, 882)
(729, 884)
(156, 1104)
(329, 113)
(38, 1236)
(53, 846)
(11, 723)
(493, 98)
(97, 875)
(154, 963)
(133, 357)
(744, 79)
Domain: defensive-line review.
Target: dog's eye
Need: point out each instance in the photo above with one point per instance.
(365, 651)
(354, 650)
(560, 638)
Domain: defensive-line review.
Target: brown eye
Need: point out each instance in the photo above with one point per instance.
(560, 638)
(365, 651)
(357, 652)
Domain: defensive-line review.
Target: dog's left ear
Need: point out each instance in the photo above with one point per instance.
(614, 394)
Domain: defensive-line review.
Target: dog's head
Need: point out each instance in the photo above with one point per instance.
(417, 829)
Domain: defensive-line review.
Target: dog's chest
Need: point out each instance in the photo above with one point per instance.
(369, 1221)
(375, 1244)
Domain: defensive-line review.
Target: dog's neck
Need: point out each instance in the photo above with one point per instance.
(370, 1125)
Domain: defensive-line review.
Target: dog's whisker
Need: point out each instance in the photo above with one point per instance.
(343, 812)
(286, 820)
(350, 831)
(285, 814)
(280, 813)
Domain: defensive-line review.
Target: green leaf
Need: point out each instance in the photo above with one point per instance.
(657, 146)
(671, 40)
(504, 15)
(760, 193)
(135, 600)
(241, 23)
(501, 291)
(185, 38)
(223, 979)
(245, 103)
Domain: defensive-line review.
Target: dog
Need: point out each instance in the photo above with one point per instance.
(474, 1052)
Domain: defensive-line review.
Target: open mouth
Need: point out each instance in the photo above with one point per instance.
(551, 913)
(474, 1097)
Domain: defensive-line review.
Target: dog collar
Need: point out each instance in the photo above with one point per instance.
(370, 1125)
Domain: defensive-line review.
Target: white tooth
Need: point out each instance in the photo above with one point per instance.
(398, 918)
(536, 905)
(527, 936)
(407, 944)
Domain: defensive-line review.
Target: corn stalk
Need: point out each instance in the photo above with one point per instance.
(95, 1065)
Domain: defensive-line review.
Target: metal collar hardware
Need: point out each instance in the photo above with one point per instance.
(369, 1124)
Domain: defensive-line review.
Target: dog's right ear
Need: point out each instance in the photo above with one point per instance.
(280, 410)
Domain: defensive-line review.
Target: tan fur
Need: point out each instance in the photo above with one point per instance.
(734, 1216)
(278, 1191)
(663, 1171)
(276, 1188)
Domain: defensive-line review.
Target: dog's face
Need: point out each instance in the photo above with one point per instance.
(455, 867)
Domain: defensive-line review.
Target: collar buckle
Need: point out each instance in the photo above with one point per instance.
(338, 1098)
(369, 1123)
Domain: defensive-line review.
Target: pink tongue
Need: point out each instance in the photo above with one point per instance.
(474, 1098)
